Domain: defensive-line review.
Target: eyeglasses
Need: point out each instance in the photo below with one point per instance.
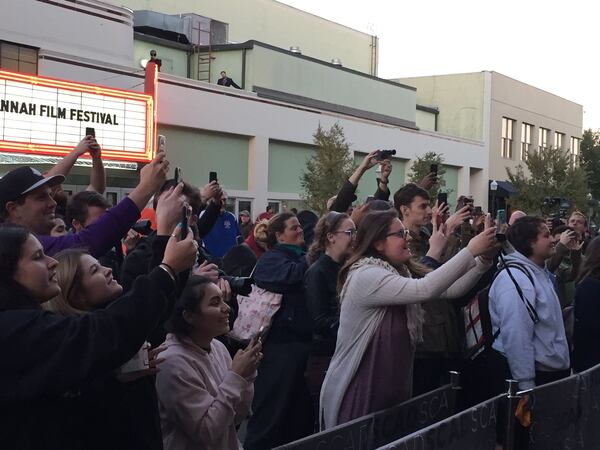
(402, 234)
(350, 233)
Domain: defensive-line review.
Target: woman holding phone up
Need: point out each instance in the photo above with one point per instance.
(203, 394)
(380, 317)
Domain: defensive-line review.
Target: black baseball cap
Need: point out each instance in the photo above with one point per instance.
(22, 181)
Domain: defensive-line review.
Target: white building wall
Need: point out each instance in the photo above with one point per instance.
(86, 29)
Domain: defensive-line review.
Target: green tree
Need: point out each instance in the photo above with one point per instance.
(327, 169)
(421, 167)
(590, 160)
(551, 174)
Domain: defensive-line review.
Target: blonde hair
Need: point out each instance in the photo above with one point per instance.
(260, 231)
(69, 275)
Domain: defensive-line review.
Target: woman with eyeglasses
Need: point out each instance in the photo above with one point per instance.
(380, 317)
(334, 234)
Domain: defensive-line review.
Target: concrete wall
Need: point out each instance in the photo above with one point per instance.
(275, 23)
(287, 161)
(425, 120)
(174, 61)
(265, 67)
(229, 61)
(524, 103)
(198, 152)
(61, 29)
(287, 73)
(459, 98)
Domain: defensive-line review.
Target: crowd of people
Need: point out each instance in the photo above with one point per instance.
(119, 332)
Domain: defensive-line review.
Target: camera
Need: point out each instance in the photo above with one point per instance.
(385, 154)
(144, 227)
(563, 205)
(239, 285)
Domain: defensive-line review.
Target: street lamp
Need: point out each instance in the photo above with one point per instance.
(494, 188)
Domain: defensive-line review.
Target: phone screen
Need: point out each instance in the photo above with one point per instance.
(433, 168)
(501, 217)
(212, 176)
(162, 143)
(89, 131)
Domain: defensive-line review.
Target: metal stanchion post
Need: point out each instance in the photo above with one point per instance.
(455, 380)
(512, 400)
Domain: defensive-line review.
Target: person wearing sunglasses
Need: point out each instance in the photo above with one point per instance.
(334, 235)
(380, 316)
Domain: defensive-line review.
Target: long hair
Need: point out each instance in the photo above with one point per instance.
(329, 223)
(13, 295)
(70, 276)
(277, 225)
(591, 263)
(372, 229)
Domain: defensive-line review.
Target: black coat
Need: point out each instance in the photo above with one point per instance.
(320, 284)
(280, 270)
(282, 405)
(50, 360)
(586, 333)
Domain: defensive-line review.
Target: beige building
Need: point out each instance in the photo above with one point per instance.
(257, 138)
(279, 25)
(511, 118)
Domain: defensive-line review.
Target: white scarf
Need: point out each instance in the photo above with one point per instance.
(415, 315)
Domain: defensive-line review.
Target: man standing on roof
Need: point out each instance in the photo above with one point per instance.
(226, 81)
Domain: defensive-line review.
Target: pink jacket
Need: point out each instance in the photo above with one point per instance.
(200, 399)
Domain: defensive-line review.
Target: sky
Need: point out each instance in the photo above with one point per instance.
(549, 44)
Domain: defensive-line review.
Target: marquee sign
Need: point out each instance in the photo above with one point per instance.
(46, 116)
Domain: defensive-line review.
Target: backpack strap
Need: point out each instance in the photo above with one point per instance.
(528, 306)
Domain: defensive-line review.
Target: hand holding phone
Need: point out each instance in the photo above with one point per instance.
(259, 336)
(162, 143)
(94, 147)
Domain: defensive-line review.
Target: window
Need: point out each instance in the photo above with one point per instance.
(559, 139)
(575, 147)
(543, 138)
(526, 131)
(508, 126)
(18, 58)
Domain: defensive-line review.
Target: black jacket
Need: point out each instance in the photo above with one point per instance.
(586, 332)
(280, 270)
(49, 360)
(227, 82)
(320, 285)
